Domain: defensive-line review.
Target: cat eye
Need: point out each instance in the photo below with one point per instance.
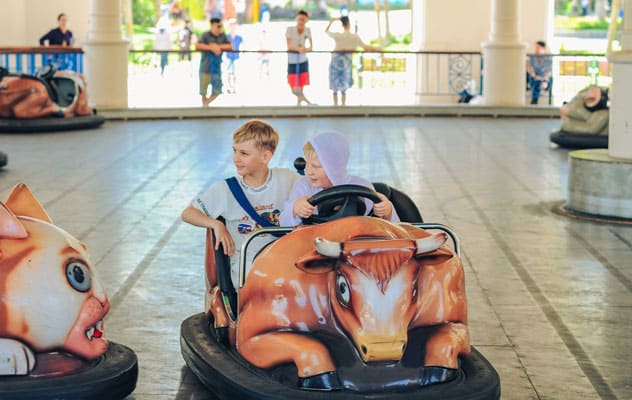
(78, 276)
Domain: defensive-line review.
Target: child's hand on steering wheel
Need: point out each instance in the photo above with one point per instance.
(302, 208)
(383, 209)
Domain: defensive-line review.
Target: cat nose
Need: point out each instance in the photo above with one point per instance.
(99, 292)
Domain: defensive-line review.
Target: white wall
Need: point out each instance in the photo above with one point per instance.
(12, 27)
(455, 25)
(439, 25)
(23, 22)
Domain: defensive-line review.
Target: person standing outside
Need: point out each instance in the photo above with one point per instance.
(163, 42)
(212, 44)
(60, 36)
(539, 71)
(341, 59)
(185, 37)
(235, 41)
(299, 42)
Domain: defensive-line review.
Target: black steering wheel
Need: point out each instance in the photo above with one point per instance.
(340, 201)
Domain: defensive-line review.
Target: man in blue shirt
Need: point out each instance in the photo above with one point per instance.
(539, 71)
(212, 44)
(60, 36)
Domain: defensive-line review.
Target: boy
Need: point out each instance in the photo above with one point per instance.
(212, 44)
(265, 188)
(326, 157)
(299, 42)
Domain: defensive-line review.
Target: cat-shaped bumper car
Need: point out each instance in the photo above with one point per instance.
(355, 307)
(52, 308)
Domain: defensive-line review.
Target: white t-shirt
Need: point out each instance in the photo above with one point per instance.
(346, 41)
(298, 41)
(267, 200)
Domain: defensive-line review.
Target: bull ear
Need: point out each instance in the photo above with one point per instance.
(10, 225)
(315, 263)
(22, 202)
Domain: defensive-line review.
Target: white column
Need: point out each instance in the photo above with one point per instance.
(106, 55)
(620, 129)
(504, 57)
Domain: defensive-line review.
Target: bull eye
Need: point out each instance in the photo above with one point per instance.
(343, 292)
(78, 276)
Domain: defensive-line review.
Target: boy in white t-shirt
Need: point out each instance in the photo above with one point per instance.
(265, 188)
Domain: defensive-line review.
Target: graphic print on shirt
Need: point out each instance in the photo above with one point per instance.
(245, 226)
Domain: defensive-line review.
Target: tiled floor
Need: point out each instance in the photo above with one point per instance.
(550, 302)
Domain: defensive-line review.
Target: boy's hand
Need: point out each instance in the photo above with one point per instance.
(302, 208)
(383, 209)
(223, 237)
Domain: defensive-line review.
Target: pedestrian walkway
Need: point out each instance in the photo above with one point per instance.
(549, 297)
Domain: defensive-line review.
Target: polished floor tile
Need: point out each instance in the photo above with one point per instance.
(549, 297)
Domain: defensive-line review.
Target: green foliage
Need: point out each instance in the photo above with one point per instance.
(582, 52)
(582, 23)
(143, 12)
(144, 59)
(194, 9)
(563, 7)
(393, 43)
(141, 30)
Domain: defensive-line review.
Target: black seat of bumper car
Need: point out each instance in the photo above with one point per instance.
(404, 205)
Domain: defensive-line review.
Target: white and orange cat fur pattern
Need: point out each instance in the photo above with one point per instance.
(50, 298)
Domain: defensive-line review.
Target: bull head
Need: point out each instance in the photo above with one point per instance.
(374, 282)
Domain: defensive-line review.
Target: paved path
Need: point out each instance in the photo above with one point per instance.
(550, 302)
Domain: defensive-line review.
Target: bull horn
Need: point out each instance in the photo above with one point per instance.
(430, 243)
(327, 248)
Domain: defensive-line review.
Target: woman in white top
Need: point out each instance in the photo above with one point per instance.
(299, 42)
(340, 65)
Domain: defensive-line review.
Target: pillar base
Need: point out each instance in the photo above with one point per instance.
(504, 72)
(599, 185)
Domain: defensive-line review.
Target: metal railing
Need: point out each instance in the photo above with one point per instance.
(28, 59)
(379, 78)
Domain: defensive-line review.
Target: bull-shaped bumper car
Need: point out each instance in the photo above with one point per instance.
(51, 313)
(356, 307)
(50, 100)
(585, 120)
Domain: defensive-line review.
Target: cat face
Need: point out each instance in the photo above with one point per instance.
(49, 295)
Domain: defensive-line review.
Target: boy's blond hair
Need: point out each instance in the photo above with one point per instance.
(308, 148)
(262, 133)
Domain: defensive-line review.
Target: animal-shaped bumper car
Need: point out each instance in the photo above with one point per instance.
(353, 307)
(584, 120)
(50, 100)
(51, 313)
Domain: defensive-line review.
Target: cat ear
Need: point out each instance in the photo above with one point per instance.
(22, 202)
(10, 226)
